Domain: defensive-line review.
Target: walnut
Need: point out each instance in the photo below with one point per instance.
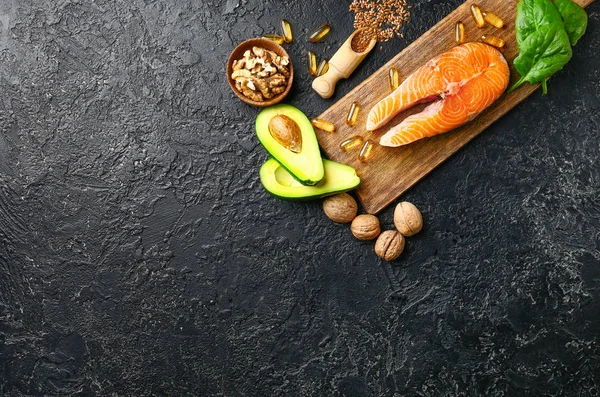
(276, 80)
(341, 208)
(239, 64)
(263, 88)
(241, 73)
(268, 70)
(249, 92)
(261, 53)
(250, 63)
(261, 73)
(257, 68)
(283, 70)
(389, 245)
(365, 227)
(407, 219)
(270, 86)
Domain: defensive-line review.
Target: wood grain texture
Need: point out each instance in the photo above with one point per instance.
(390, 172)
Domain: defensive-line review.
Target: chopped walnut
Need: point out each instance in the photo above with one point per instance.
(261, 74)
(241, 73)
(248, 90)
(283, 70)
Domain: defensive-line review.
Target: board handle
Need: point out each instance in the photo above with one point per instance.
(341, 66)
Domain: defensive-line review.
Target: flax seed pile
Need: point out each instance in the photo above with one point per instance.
(382, 19)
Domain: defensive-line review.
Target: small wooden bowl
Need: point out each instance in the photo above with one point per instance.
(238, 53)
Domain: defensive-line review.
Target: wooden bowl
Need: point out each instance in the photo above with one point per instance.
(238, 53)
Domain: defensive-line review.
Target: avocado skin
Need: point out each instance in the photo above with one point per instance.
(334, 182)
(306, 167)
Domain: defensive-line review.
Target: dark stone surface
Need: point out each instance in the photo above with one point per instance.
(140, 256)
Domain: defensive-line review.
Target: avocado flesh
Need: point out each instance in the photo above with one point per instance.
(280, 183)
(307, 165)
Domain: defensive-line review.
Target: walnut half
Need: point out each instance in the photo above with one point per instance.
(249, 89)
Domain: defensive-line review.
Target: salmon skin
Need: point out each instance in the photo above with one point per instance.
(465, 81)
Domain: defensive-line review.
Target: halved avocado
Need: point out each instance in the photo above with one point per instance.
(288, 136)
(280, 183)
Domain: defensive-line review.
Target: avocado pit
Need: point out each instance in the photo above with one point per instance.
(286, 132)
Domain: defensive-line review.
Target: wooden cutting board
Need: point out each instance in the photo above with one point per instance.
(390, 172)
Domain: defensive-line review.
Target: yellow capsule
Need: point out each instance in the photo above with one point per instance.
(493, 40)
(323, 125)
(493, 19)
(477, 16)
(311, 63)
(274, 37)
(365, 152)
(323, 67)
(352, 113)
(393, 78)
(459, 33)
(319, 33)
(351, 143)
(286, 31)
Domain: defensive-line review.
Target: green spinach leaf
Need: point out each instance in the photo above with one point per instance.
(533, 14)
(543, 53)
(574, 17)
(545, 33)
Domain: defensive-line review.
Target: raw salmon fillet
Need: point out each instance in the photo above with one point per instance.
(464, 80)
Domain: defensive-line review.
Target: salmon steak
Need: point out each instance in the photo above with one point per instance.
(462, 82)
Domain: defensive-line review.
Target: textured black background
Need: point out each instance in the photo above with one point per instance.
(140, 256)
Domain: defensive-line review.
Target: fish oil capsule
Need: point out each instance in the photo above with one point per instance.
(352, 113)
(274, 37)
(286, 31)
(323, 67)
(393, 78)
(477, 16)
(493, 40)
(319, 33)
(459, 33)
(365, 151)
(323, 125)
(311, 63)
(351, 143)
(493, 19)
